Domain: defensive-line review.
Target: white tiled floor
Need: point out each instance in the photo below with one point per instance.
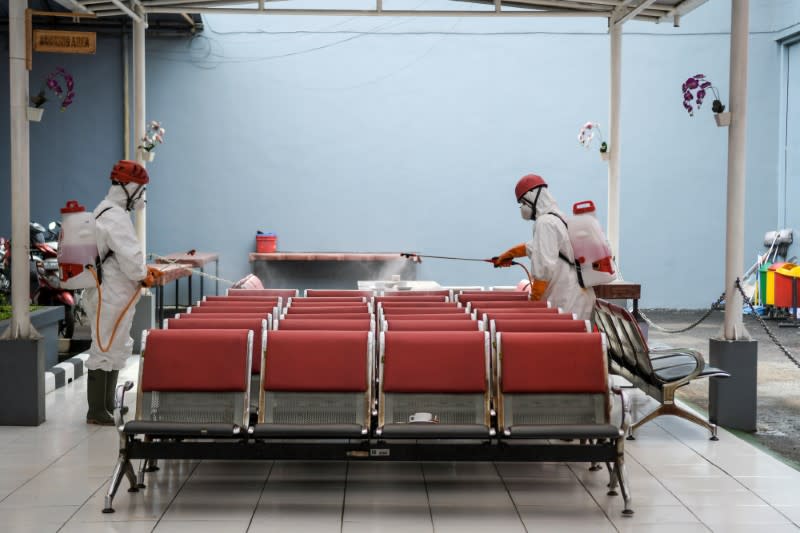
(54, 477)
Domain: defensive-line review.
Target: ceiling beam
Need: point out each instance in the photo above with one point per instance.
(125, 9)
(633, 12)
(72, 5)
(681, 9)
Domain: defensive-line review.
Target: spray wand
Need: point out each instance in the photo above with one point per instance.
(417, 258)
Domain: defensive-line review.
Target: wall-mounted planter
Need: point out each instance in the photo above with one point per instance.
(22, 387)
(723, 119)
(35, 113)
(605, 156)
(148, 156)
(45, 321)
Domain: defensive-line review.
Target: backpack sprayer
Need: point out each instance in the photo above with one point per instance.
(79, 263)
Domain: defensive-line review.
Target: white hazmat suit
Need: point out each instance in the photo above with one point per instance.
(123, 271)
(550, 251)
(550, 238)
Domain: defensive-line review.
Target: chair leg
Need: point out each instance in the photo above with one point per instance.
(619, 468)
(612, 479)
(675, 410)
(125, 468)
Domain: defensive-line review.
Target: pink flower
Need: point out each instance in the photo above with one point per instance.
(700, 84)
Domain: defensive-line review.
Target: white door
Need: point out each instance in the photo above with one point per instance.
(791, 217)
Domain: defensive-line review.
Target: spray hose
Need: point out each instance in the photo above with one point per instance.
(417, 258)
(105, 348)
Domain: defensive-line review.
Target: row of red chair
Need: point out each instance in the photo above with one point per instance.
(432, 387)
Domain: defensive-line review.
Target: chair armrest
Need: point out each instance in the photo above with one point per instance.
(625, 407)
(700, 364)
(119, 403)
(666, 351)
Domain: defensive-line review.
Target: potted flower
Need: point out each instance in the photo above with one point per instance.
(66, 93)
(694, 88)
(154, 135)
(586, 136)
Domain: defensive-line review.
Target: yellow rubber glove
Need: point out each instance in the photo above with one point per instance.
(538, 288)
(504, 259)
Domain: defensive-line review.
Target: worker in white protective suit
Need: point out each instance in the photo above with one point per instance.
(122, 273)
(550, 251)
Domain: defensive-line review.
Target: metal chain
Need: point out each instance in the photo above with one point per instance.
(194, 270)
(714, 307)
(764, 325)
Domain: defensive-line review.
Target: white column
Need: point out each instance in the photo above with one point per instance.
(734, 242)
(615, 34)
(20, 173)
(139, 119)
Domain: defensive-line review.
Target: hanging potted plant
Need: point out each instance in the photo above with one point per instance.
(694, 89)
(66, 93)
(587, 134)
(154, 135)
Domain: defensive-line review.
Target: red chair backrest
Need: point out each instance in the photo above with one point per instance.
(224, 304)
(216, 315)
(425, 310)
(244, 299)
(488, 296)
(264, 310)
(426, 305)
(416, 294)
(325, 309)
(326, 316)
(509, 304)
(552, 363)
(431, 325)
(409, 298)
(434, 361)
(255, 324)
(526, 315)
(316, 300)
(316, 361)
(422, 315)
(480, 310)
(537, 325)
(334, 292)
(334, 324)
(283, 293)
(195, 360)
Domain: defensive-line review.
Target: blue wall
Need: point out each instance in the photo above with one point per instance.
(384, 134)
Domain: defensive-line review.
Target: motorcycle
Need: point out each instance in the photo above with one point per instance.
(45, 283)
(5, 270)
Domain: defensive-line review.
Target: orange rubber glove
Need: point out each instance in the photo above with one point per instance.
(504, 259)
(538, 288)
(152, 276)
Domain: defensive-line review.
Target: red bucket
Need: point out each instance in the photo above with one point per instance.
(266, 243)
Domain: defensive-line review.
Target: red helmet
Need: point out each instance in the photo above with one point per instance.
(526, 183)
(129, 172)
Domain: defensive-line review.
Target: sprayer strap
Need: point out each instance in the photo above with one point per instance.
(575, 264)
(110, 252)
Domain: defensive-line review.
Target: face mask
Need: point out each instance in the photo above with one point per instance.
(527, 205)
(136, 198)
(139, 203)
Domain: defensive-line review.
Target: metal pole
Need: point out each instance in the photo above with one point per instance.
(139, 117)
(734, 242)
(126, 108)
(20, 327)
(615, 34)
